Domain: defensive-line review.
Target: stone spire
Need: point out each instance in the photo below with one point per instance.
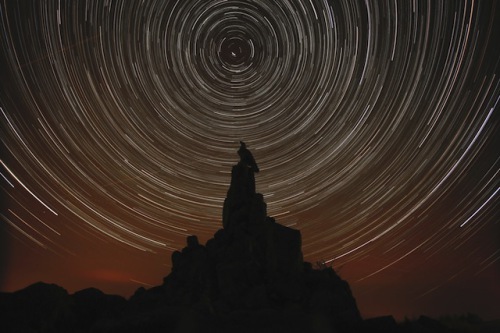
(242, 203)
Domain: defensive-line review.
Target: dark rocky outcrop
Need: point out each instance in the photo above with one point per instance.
(249, 277)
(251, 273)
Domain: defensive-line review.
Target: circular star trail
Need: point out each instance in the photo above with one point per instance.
(375, 125)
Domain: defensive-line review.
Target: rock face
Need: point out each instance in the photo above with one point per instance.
(250, 277)
(255, 266)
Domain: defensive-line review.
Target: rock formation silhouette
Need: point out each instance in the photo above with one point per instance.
(251, 274)
(250, 277)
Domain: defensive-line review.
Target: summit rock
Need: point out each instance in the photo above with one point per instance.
(251, 274)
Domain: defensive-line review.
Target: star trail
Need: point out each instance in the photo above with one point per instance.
(375, 125)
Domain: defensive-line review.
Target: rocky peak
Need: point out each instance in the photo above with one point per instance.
(242, 203)
(254, 263)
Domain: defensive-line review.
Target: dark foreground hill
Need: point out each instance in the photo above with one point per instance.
(250, 277)
(45, 307)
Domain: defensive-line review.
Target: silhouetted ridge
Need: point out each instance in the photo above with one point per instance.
(44, 307)
(250, 277)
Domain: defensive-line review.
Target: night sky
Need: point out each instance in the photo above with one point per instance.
(375, 126)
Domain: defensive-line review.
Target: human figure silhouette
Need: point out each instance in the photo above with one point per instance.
(246, 157)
